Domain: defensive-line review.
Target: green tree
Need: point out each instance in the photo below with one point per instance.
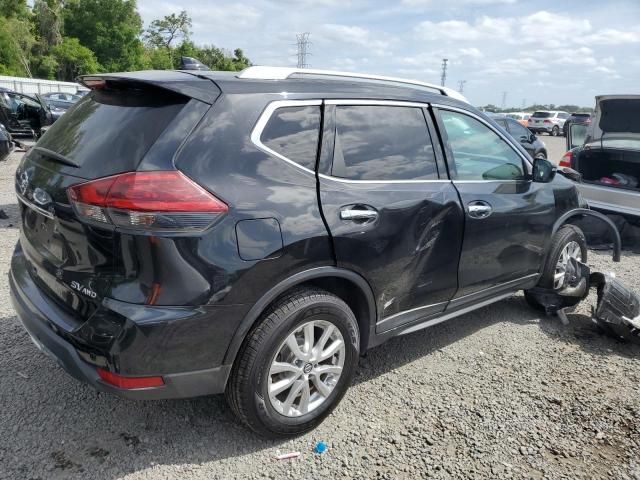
(110, 28)
(19, 41)
(47, 20)
(163, 32)
(14, 8)
(73, 59)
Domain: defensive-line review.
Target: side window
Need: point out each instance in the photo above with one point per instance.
(383, 143)
(518, 130)
(501, 122)
(478, 152)
(293, 132)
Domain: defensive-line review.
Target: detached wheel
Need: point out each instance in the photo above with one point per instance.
(568, 242)
(295, 365)
(555, 131)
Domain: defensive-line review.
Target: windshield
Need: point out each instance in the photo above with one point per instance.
(541, 115)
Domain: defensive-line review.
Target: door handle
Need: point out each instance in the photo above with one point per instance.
(479, 209)
(355, 214)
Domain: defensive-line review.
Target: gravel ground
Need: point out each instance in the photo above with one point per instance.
(556, 147)
(499, 393)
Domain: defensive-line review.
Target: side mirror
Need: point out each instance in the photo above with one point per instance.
(576, 135)
(543, 170)
(524, 139)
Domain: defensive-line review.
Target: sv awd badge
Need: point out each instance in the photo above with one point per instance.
(83, 290)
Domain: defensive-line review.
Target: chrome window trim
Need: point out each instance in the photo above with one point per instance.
(365, 102)
(508, 140)
(256, 133)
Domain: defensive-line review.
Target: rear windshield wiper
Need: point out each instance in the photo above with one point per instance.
(55, 156)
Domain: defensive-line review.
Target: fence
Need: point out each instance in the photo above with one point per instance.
(34, 85)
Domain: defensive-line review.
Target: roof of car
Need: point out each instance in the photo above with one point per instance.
(294, 86)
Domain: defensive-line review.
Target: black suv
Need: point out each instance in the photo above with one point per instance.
(191, 233)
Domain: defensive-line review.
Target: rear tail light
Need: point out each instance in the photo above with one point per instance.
(129, 383)
(157, 202)
(547, 121)
(566, 159)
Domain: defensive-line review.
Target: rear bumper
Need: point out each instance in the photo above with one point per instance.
(47, 326)
(541, 128)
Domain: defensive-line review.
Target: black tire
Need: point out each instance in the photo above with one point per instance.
(555, 131)
(564, 236)
(542, 154)
(246, 390)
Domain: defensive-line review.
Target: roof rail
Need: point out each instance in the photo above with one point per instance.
(282, 73)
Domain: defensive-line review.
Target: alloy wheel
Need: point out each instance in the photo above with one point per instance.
(570, 250)
(306, 368)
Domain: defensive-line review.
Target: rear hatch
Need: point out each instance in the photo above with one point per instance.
(108, 132)
(538, 118)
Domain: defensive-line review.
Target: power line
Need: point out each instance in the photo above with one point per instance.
(303, 43)
(461, 85)
(443, 79)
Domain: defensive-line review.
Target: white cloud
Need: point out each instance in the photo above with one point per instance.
(356, 35)
(611, 36)
(472, 52)
(428, 3)
(483, 28)
(226, 17)
(550, 29)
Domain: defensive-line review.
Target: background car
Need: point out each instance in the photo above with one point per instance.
(521, 117)
(607, 155)
(62, 96)
(548, 121)
(6, 143)
(583, 118)
(532, 144)
(22, 114)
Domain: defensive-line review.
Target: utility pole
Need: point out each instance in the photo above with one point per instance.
(504, 100)
(524, 103)
(303, 49)
(461, 85)
(443, 78)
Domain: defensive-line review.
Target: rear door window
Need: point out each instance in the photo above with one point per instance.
(293, 132)
(383, 143)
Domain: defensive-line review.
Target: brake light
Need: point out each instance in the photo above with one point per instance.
(566, 159)
(160, 201)
(129, 383)
(547, 121)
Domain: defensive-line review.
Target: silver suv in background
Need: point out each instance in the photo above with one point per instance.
(548, 121)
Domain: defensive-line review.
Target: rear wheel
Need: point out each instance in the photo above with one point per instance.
(555, 131)
(295, 365)
(568, 242)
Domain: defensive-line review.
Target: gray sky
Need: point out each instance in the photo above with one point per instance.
(561, 51)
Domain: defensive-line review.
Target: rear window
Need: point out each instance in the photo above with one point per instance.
(582, 115)
(112, 127)
(293, 132)
(542, 115)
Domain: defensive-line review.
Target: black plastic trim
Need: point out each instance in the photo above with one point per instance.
(297, 279)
